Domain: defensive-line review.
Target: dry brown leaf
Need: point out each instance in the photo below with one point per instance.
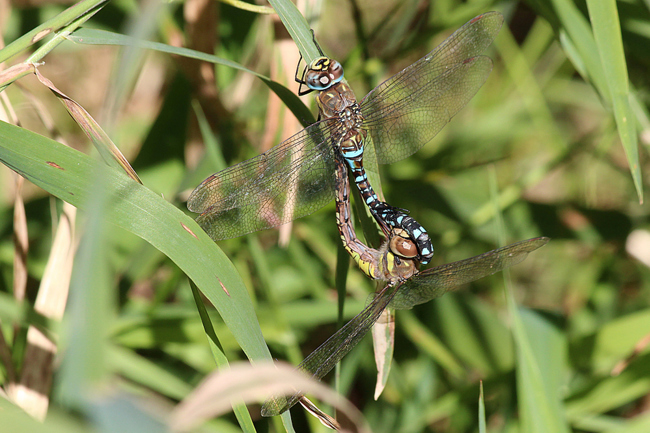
(104, 145)
(248, 383)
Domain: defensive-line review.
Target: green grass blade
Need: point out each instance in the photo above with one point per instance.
(120, 412)
(638, 424)
(482, 425)
(243, 417)
(297, 27)
(20, 421)
(91, 302)
(613, 391)
(133, 366)
(102, 37)
(616, 340)
(65, 173)
(607, 32)
(340, 281)
(538, 348)
(537, 382)
(49, 27)
(249, 7)
(429, 343)
(45, 49)
(61, 36)
(579, 32)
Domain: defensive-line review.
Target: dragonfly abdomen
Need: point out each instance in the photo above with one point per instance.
(352, 149)
(367, 259)
(387, 263)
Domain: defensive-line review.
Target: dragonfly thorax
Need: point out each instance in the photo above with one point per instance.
(323, 73)
(350, 118)
(338, 101)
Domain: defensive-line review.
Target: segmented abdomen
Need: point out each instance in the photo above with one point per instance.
(352, 148)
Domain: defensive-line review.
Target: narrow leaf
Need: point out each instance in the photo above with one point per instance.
(65, 173)
(101, 37)
(607, 32)
(103, 143)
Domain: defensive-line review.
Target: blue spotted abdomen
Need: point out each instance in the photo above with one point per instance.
(386, 215)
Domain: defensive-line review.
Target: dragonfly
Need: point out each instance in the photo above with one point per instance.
(393, 121)
(406, 288)
(397, 258)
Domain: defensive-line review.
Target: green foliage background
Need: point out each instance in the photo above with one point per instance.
(544, 149)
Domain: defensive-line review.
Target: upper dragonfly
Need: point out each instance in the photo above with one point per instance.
(393, 121)
(393, 262)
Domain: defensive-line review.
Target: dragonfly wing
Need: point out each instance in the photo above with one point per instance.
(422, 287)
(322, 360)
(406, 111)
(435, 282)
(291, 180)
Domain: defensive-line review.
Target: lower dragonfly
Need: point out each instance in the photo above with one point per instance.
(406, 286)
(393, 121)
(395, 261)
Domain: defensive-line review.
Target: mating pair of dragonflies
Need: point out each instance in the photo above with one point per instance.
(308, 170)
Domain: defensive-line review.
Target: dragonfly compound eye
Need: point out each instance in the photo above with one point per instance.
(318, 80)
(403, 247)
(335, 72)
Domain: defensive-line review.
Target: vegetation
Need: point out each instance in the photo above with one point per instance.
(554, 144)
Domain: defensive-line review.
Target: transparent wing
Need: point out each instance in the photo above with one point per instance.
(426, 285)
(406, 111)
(435, 282)
(289, 181)
(322, 360)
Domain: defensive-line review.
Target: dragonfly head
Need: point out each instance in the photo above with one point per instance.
(323, 73)
(401, 258)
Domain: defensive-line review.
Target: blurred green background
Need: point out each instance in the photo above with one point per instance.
(537, 152)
